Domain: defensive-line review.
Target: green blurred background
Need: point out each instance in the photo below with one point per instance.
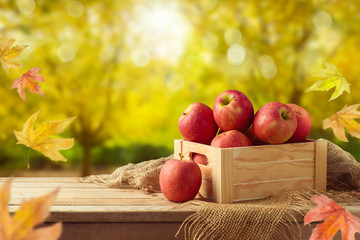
(128, 69)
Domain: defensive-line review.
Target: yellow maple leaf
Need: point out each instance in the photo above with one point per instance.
(345, 118)
(31, 213)
(330, 78)
(41, 140)
(8, 53)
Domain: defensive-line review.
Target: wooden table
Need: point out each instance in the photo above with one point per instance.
(91, 211)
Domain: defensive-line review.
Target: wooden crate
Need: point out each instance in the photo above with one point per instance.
(244, 173)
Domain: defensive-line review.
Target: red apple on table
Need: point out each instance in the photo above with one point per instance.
(197, 123)
(199, 158)
(233, 111)
(230, 139)
(303, 123)
(274, 123)
(180, 180)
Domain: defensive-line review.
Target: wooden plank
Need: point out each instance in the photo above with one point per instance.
(102, 201)
(85, 193)
(267, 188)
(274, 153)
(216, 175)
(119, 231)
(128, 213)
(270, 171)
(149, 231)
(226, 179)
(321, 165)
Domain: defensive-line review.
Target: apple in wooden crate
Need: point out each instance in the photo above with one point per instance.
(274, 123)
(303, 123)
(180, 180)
(233, 111)
(230, 139)
(197, 123)
(199, 158)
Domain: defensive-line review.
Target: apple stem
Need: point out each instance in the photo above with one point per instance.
(181, 157)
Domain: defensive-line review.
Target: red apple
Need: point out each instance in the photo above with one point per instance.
(230, 139)
(250, 134)
(199, 158)
(303, 123)
(197, 123)
(274, 123)
(180, 180)
(233, 111)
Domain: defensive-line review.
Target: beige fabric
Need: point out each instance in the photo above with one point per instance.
(343, 171)
(263, 219)
(144, 175)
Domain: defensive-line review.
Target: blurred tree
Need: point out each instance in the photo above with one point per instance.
(127, 69)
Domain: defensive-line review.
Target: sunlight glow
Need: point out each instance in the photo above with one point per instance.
(161, 29)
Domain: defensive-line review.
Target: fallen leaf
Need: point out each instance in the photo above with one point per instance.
(41, 140)
(31, 214)
(345, 118)
(335, 218)
(28, 80)
(330, 78)
(8, 53)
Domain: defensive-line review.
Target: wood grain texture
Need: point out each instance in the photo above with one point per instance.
(247, 191)
(270, 171)
(274, 153)
(145, 216)
(120, 231)
(86, 202)
(320, 165)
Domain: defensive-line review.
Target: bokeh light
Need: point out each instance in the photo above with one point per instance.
(322, 20)
(232, 36)
(267, 66)
(75, 9)
(26, 6)
(236, 54)
(208, 5)
(140, 57)
(174, 82)
(66, 52)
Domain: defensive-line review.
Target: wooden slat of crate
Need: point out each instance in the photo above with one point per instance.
(256, 190)
(274, 153)
(265, 171)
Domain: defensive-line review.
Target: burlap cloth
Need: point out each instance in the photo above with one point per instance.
(257, 219)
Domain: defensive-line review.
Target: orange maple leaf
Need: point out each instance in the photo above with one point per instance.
(335, 218)
(28, 80)
(23, 224)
